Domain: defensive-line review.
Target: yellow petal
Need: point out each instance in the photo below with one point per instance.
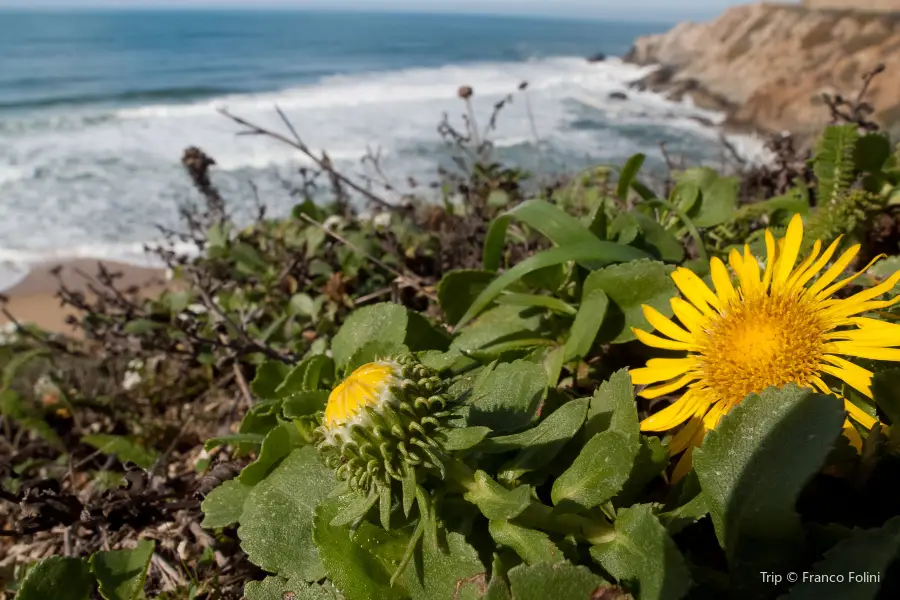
(721, 280)
(687, 459)
(771, 259)
(712, 418)
(821, 385)
(833, 272)
(676, 413)
(852, 434)
(661, 369)
(855, 376)
(790, 250)
(654, 341)
(695, 290)
(861, 351)
(875, 291)
(665, 326)
(843, 309)
(859, 415)
(749, 278)
(804, 266)
(843, 282)
(668, 387)
(689, 316)
(681, 440)
(819, 264)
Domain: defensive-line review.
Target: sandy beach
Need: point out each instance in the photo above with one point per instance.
(34, 299)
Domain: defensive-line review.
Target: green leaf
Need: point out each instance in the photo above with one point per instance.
(234, 439)
(651, 460)
(591, 314)
(685, 515)
(629, 172)
(278, 588)
(458, 289)
(224, 506)
(539, 445)
(871, 152)
(141, 326)
(276, 446)
(269, 376)
(533, 546)
(718, 201)
(502, 323)
(866, 551)
(422, 334)
(562, 424)
(309, 375)
(559, 580)
(833, 162)
(302, 304)
(536, 300)
(656, 239)
(558, 225)
(16, 362)
(261, 418)
(464, 438)
(121, 573)
(643, 557)
(384, 322)
(750, 488)
(248, 257)
(302, 404)
(355, 510)
(495, 501)
(886, 392)
(57, 578)
(126, 449)
(445, 573)
(594, 251)
(605, 463)
(277, 523)
(354, 571)
(372, 351)
(28, 416)
(507, 397)
(630, 286)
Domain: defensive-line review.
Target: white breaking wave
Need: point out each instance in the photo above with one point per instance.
(96, 182)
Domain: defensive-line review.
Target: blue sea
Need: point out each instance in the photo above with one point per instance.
(96, 109)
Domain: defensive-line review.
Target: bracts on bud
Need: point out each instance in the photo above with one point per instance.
(385, 429)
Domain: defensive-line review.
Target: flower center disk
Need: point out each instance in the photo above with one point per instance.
(769, 340)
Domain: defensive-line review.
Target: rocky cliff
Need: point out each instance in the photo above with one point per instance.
(768, 65)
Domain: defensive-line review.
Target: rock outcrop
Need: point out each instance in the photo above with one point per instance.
(767, 65)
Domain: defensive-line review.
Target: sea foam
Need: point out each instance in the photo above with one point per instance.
(95, 182)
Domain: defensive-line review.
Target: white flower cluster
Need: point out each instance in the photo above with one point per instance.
(9, 334)
(133, 376)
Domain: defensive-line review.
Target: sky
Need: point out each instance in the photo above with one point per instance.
(648, 9)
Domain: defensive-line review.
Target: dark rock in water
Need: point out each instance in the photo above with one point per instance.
(618, 96)
(655, 81)
(703, 121)
(599, 57)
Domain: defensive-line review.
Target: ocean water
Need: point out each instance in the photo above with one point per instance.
(97, 107)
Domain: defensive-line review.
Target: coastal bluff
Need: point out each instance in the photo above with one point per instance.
(767, 65)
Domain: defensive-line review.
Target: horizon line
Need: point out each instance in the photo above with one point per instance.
(83, 8)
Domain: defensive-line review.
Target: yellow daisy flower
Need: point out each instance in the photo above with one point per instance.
(776, 327)
(367, 386)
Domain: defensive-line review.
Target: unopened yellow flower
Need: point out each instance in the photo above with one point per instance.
(364, 387)
(384, 423)
(780, 326)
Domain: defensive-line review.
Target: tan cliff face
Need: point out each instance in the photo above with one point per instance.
(768, 65)
(873, 5)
